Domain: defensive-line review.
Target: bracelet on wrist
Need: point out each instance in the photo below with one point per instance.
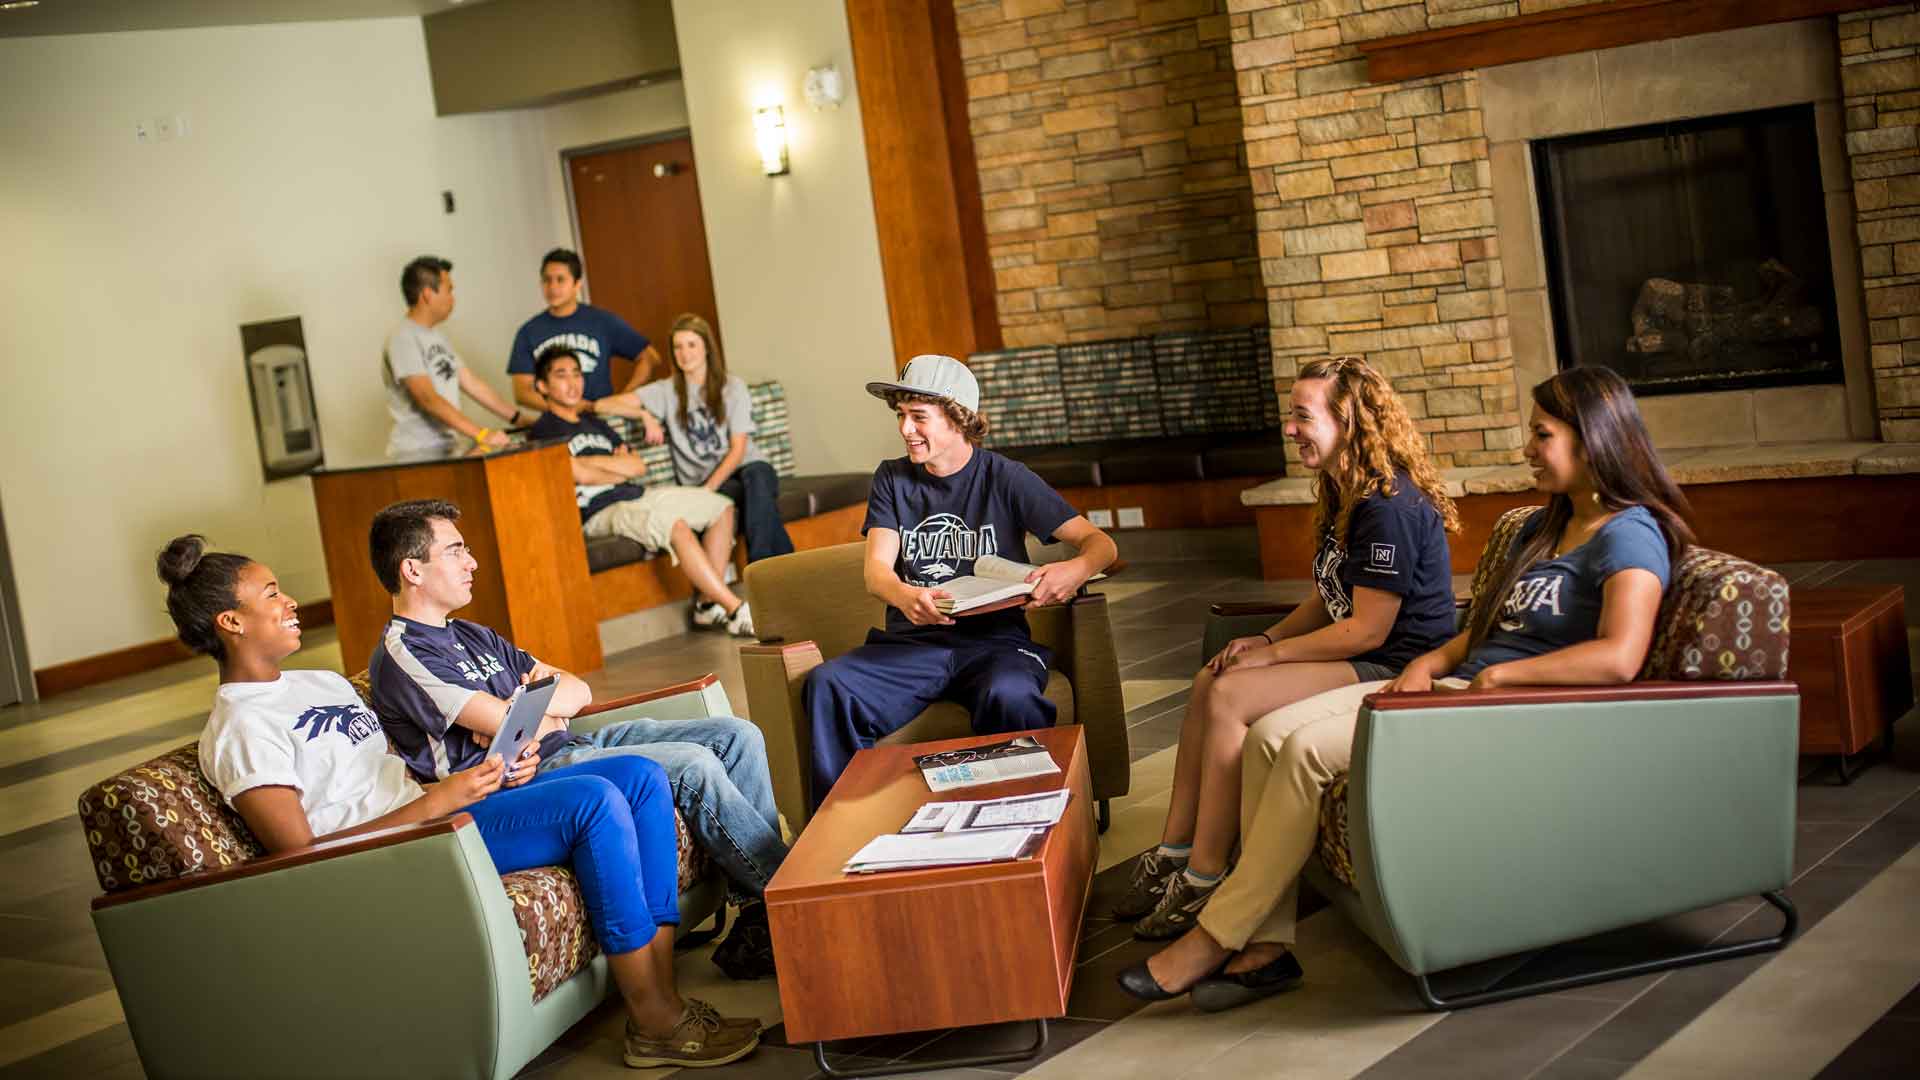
(1268, 636)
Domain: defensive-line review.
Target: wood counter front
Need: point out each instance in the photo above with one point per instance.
(521, 523)
(911, 950)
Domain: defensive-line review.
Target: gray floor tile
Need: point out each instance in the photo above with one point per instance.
(89, 1056)
(1583, 1068)
(1514, 1038)
(1889, 1049)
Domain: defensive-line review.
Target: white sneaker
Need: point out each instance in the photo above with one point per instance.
(740, 623)
(707, 615)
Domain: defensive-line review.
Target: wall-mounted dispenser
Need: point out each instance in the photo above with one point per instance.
(284, 417)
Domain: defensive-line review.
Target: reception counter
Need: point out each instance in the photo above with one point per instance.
(518, 515)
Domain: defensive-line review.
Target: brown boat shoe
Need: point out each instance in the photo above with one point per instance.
(703, 1038)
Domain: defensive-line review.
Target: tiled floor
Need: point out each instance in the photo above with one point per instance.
(1857, 882)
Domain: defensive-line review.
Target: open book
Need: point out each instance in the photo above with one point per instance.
(995, 583)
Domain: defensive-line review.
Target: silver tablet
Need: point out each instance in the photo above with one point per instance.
(525, 709)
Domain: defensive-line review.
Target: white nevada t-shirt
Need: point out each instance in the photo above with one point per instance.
(306, 730)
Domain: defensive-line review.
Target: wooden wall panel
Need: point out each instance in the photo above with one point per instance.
(926, 192)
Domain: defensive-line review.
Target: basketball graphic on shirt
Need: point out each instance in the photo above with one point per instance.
(941, 547)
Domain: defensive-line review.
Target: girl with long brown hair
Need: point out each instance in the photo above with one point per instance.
(1384, 595)
(708, 416)
(1577, 605)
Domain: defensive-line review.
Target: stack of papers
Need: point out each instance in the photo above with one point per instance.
(1018, 812)
(903, 851)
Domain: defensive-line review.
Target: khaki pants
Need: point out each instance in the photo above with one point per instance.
(648, 520)
(1291, 755)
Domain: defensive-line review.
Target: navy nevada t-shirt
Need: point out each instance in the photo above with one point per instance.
(1395, 543)
(596, 334)
(946, 522)
(588, 436)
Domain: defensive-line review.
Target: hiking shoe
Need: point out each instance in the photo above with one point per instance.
(707, 615)
(702, 1038)
(1179, 906)
(740, 623)
(1150, 874)
(747, 953)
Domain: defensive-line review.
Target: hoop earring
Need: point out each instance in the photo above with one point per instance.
(1595, 496)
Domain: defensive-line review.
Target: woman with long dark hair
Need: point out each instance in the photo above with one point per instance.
(1578, 604)
(1383, 595)
(302, 759)
(708, 416)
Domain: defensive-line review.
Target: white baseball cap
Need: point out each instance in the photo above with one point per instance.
(935, 376)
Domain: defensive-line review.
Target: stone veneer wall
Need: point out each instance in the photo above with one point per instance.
(1112, 168)
(1880, 76)
(1375, 218)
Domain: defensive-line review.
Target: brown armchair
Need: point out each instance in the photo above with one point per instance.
(811, 606)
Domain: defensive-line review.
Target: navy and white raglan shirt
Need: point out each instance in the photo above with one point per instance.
(588, 436)
(1557, 602)
(596, 335)
(1395, 543)
(946, 522)
(424, 675)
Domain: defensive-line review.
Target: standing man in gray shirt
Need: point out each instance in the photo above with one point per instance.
(424, 376)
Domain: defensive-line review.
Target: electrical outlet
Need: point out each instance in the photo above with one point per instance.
(1101, 519)
(163, 129)
(142, 131)
(1133, 517)
(180, 130)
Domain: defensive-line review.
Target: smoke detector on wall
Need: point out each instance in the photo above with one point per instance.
(824, 88)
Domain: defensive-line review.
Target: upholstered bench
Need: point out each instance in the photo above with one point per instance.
(1665, 795)
(214, 944)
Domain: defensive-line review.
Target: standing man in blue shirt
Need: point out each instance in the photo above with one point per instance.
(595, 335)
(440, 686)
(930, 515)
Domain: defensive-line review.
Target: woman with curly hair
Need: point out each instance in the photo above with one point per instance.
(1580, 593)
(1384, 595)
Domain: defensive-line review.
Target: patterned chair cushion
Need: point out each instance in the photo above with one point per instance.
(162, 820)
(159, 821)
(1721, 618)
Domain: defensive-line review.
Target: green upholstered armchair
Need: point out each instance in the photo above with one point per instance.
(1473, 826)
(397, 953)
(811, 606)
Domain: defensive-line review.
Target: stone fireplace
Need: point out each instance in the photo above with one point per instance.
(1729, 292)
(1399, 212)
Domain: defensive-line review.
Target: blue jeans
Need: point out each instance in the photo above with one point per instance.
(718, 769)
(755, 489)
(610, 821)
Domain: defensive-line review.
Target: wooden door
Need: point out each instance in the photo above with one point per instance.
(643, 239)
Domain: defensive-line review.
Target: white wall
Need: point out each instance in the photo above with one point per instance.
(310, 174)
(796, 258)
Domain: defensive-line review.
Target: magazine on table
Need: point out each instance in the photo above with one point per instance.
(1014, 759)
(1014, 812)
(995, 582)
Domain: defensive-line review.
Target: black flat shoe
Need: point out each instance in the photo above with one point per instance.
(1139, 982)
(1217, 993)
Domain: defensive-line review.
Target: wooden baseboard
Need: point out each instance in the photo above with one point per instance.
(1806, 519)
(134, 659)
(1186, 504)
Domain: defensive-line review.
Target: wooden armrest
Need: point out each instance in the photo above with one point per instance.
(779, 649)
(300, 856)
(1443, 698)
(690, 687)
(1237, 610)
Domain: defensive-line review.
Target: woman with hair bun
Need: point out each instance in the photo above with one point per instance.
(302, 760)
(1581, 593)
(1384, 595)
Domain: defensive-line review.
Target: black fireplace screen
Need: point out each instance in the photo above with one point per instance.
(1692, 256)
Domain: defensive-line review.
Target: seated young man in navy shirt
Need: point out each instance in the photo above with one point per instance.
(692, 525)
(929, 516)
(596, 336)
(440, 688)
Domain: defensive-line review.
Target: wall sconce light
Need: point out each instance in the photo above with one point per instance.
(770, 135)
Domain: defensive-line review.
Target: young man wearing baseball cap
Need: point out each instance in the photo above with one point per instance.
(930, 515)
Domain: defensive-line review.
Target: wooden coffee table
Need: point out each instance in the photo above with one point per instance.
(912, 950)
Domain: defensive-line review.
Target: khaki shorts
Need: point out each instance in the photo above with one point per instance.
(648, 520)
